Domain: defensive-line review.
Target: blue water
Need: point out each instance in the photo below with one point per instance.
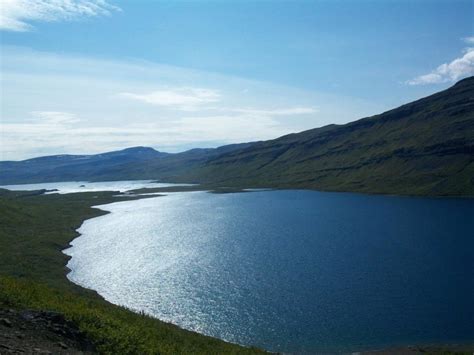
(68, 187)
(290, 271)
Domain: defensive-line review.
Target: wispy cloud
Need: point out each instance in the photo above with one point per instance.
(47, 137)
(186, 99)
(16, 15)
(279, 112)
(55, 104)
(53, 117)
(51, 131)
(469, 40)
(449, 72)
(193, 99)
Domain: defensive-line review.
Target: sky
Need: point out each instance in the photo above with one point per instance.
(89, 76)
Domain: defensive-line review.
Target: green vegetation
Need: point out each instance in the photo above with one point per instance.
(34, 228)
(422, 148)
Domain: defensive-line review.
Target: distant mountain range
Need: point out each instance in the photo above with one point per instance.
(127, 164)
(422, 148)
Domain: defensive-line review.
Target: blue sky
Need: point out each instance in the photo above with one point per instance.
(89, 76)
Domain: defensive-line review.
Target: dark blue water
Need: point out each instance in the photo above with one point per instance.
(293, 271)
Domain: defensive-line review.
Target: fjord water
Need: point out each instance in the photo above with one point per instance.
(290, 271)
(67, 187)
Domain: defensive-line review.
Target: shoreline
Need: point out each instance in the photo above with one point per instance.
(184, 186)
(40, 284)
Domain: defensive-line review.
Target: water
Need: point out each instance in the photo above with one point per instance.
(86, 186)
(294, 271)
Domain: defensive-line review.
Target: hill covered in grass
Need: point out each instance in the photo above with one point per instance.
(127, 164)
(67, 167)
(422, 148)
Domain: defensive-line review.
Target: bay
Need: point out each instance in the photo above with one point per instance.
(289, 271)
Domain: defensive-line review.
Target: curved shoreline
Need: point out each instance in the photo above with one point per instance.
(36, 227)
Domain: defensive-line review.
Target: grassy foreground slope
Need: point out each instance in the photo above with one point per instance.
(34, 229)
(422, 148)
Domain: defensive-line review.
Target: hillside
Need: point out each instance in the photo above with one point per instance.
(423, 148)
(71, 167)
(131, 163)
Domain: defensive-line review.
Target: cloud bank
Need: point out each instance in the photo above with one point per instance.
(15, 15)
(449, 72)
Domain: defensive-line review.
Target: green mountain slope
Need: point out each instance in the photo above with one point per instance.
(423, 148)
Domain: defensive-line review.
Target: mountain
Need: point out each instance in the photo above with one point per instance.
(422, 148)
(130, 163)
(71, 167)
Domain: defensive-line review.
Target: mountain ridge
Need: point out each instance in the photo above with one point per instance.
(424, 147)
(432, 138)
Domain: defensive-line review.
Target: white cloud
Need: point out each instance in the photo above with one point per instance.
(469, 40)
(449, 72)
(20, 139)
(186, 99)
(54, 117)
(279, 112)
(15, 15)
